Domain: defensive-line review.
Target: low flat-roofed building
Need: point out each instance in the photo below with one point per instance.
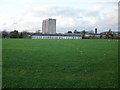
(55, 36)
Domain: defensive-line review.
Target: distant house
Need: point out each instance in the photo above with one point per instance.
(104, 33)
(92, 36)
(55, 36)
(112, 34)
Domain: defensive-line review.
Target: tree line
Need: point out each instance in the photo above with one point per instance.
(106, 35)
(24, 34)
(15, 34)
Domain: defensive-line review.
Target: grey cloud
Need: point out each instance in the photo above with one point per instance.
(91, 13)
(4, 24)
(56, 11)
(70, 17)
(15, 23)
(106, 3)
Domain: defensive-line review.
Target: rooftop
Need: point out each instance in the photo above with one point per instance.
(55, 35)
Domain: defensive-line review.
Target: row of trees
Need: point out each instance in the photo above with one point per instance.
(77, 32)
(15, 34)
(25, 34)
(108, 35)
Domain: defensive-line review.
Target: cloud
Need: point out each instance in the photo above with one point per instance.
(66, 0)
(48, 11)
(68, 17)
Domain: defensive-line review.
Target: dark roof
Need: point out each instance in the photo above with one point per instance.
(92, 34)
(55, 35)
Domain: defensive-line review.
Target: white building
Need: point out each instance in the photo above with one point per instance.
(55, 36)
(49, 26)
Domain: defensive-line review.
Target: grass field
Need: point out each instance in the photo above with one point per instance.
(29, 63)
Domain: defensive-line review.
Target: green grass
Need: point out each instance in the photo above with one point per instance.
(29, 63)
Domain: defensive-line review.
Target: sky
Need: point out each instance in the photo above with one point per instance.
(70, 15)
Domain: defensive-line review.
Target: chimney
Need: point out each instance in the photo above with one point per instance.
(95, 30)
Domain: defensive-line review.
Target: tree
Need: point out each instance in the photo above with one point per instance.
(14, 34)
(21, 35)
(75, 31)
(4, 34)
(101, 36)
(111, 35)
(83, 34)
(25, 34)
(69, 32)
(38, 31)
(110, 31)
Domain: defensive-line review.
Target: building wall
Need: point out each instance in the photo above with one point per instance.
(49, 26)
(56, 37)
(43, 26)
(52, 26)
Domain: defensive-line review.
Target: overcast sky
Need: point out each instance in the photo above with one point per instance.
(69, 14)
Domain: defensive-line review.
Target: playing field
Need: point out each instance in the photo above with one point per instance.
(29, 63)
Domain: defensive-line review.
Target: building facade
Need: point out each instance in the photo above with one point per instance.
(55, 36)
(49, 26)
